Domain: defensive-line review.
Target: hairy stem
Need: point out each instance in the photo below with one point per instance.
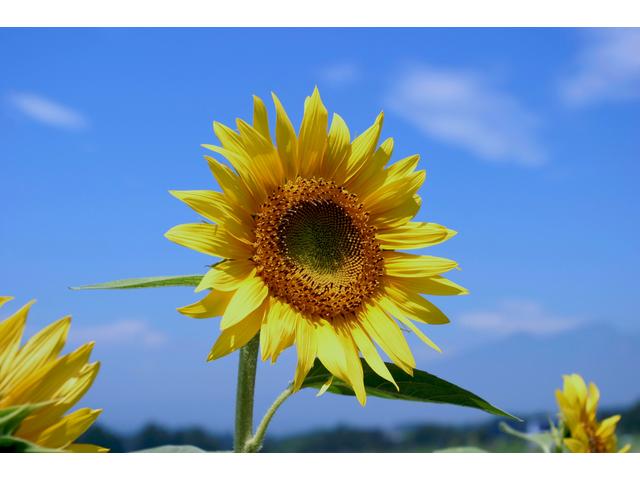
(255, 443)
(245, 393)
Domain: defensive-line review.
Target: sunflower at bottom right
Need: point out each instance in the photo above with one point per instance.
(578, 408)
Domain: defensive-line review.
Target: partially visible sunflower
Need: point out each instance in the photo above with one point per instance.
(34, 373)
(578, 407)
(308, 231)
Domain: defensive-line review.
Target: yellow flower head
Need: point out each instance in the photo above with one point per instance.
(578, 407)
(34, 374)
(308, 230)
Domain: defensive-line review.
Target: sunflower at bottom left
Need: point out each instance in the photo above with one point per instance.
(38, 386)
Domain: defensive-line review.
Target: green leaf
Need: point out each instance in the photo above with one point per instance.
(173, 449)
(9, 444)
(145, 282)
(421, 387)
(461, 450)
(544, 440)
(12, 417)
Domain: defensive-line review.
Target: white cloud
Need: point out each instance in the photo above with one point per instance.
(465, 109)
(48, 111)
(518, 316)
(121, 332)
(608, 68)
(339, 74)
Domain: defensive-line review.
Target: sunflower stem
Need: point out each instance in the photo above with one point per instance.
(255, 443)
(244, 394)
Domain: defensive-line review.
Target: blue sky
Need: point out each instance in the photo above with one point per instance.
(530, 139)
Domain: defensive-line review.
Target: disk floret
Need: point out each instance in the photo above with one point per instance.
(315, 248)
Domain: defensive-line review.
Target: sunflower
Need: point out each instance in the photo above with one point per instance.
(578, 407)
(34, 376)
(308, 231)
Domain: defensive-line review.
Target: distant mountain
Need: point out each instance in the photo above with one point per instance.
(521, 372)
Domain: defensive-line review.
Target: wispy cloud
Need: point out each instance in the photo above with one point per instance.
(467, 110)
(608, 68)
(515, 316)
(339, 74)
(47, 111)
(121, 332)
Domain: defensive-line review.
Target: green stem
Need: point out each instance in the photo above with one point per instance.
(244, 394)
(255, 443)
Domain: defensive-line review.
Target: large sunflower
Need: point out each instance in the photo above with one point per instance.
(308, 231)
(36, 377)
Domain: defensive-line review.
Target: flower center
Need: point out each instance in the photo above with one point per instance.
(315, 248)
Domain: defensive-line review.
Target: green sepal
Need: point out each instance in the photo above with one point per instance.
(544, 440)
(145, 282)
(9, 444)
(421, 387)
(12, 417)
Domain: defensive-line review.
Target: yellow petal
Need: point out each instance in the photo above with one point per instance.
(209, 239)
(287, 331)
(414, 235)
(338, 354)
(393, 310)
(354, 365)
(370, 353)
(313, 135)
(325, 386)
(286, 139)
(70, 393)
(363, 147)
(372, 175)
(64, 432)
(307, 347)
(393, 194)
(11, 330)
(412, 305)
(338, 150)
(245, 300)
(4, 300)
(41, 348)
(265, 162)
(261, 118)
(592, 401)
(575, 389)
(402, 168)
(232, 185)
(227, 276)
(431, 285)
(85, 448)
(400, 264)
(249, 184)
(215, 206)
(330, 351)
(237, 336)
(576, 446)
(278, 329)
(381, 328)
(209, 204)
(213, 305)
(33, 388)
(397, 214)
(231, 141)
(608, 426)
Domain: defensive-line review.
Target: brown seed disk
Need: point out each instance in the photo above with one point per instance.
(315, 248)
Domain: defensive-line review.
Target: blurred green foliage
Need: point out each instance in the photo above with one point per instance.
(410, 438)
